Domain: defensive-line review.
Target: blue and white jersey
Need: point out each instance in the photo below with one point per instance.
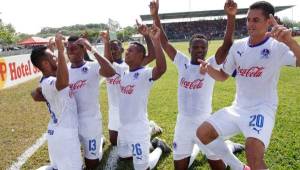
(61, 104)
(258, 69)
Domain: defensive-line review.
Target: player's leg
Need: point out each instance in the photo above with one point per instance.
(113, 137)
(222, 122)
(257, 126)
(113, 126)
(184, 149)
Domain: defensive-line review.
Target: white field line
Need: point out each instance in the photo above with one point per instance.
(21, 160)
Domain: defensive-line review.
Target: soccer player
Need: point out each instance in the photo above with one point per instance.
(195, 90)
(63, 141)
(133, 134)
(257, 59)
(84, 82)
(113, 51)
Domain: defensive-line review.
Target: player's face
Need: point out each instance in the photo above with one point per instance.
(257, 23)
(198, 49)
(75, 52)
(116, 50)
(133, 55)
(52, 60)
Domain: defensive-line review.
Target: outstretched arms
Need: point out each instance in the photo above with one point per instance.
(62, 74)
(168, 48)
(161, 65)
(230, 8)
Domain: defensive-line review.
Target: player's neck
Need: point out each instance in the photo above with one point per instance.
(253, 41)
(77, 64)
(134, 68)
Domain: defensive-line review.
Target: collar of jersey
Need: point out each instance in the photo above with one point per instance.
(136, 69)
(119, 61)
(79, 65)
(259, 44)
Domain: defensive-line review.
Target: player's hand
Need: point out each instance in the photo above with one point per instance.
(105, 36)
(51, 44)
(154, 6)
(203, 66)
(59, 38)
(154, 33)
(230, 8)
(85, 43)
(279, 32)
(142, 29)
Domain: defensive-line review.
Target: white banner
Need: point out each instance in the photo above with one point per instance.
(17, 69)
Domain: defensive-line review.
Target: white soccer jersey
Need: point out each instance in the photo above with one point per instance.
(135, 87)
(84, 82)
(258, 69)
(113, 87)
(195, 90)
(61, 104)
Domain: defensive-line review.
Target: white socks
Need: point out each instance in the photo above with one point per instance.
(154, 157)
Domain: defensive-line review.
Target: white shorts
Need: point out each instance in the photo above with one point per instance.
(185, 137)
(64, 148)
(136, 146)
(113, 120)
(257, 123)
(90, 135)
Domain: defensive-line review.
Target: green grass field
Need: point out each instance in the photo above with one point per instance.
(23, 121)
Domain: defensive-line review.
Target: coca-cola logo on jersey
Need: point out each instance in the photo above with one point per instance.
(114, 80)
(79, 84)
(196, 84)
(127, 89)
(254, 71)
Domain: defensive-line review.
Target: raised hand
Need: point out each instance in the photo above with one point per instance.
(154, 32)
(279, 32)
(59, 41)
(84, 42)
(105, 36)
(142, 29)
(230, 8)
(154, 6)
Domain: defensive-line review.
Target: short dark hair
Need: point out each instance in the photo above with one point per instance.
(38, 54)
(265, 6)
(140, 46)
(73, 38)
(197, 36)
(116, 41)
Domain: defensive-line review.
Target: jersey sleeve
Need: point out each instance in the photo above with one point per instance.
(147, 77)
(48, 86)
(229, 64)
(95, 67)
(287, 57)
(180, 60)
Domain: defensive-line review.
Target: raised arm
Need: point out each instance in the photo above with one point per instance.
(283, 34)
(62, 74)
(230, 8)
(106, 69)
(161, 65)
(142, 29)
(105, 38)
(168, 48)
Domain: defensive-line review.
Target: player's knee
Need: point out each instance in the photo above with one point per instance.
(181, 162)
(255, 153)
(206, 133)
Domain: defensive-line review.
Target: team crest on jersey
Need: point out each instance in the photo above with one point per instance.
(136, 75)
(84, 69)
(265, 53)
